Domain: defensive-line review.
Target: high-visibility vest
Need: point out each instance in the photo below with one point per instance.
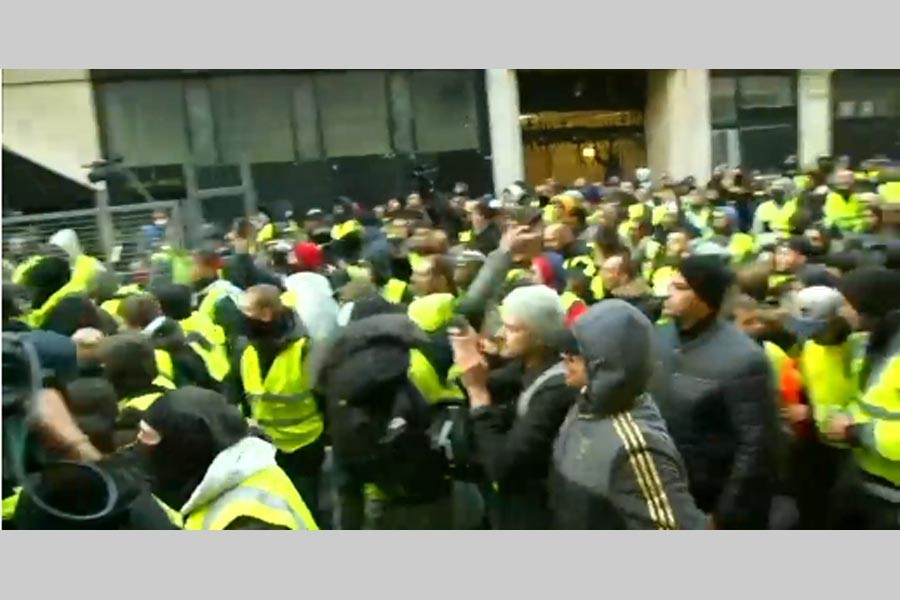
(568, 299)
(84, 270)
(342, 230)
(266, 233)
(878, 406)
(267, 496)
(741, 247)
(661, 279)
(423, 375)
(827, 376)
(890, 191)
(140, 403)
(393, 290)
(466, 236)
(846, 215)
(597, 289)
(582, 263)
(37, 317)
(778, 217)
(215, 292)
(210, 346)
(801, 182)
(27, 265)
(432, 312)
(282, 402)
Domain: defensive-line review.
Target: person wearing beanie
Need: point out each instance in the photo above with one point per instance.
(204, 462)
(713, 385)
(867, 421)
(514, 442)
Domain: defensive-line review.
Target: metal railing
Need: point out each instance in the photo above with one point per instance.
(110, 233)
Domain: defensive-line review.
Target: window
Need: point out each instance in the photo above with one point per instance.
(144, 121)
(444, 108)
(723, 108)
(766, 91)
(253, 117)
(354, 113)
(726, 148)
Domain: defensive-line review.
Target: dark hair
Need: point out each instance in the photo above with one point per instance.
(174, 300)
(93, 403)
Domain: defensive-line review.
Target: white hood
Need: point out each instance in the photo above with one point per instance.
(67, 239)
(231, 467)
(315, 306)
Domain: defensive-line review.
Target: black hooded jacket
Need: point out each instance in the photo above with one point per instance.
(367, 390)
(614, 464)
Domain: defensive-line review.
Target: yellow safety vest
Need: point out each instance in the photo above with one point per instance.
(432, 312)
(801, 182)
(37, 317)
(661, 279)
(568, 299)
(597, 288)
(828, 375)
(423, 375)
(267, 496)
(846, 215)
(213, 353)
(466, 236)
(22, 269)
(266, 233)
(139, 403)
(393, 290)
(741, 247)
(341, 230)
(282, 403)
(778, 217)
(84, 270)
(879, 405)
(582, 263)
(890, 191)
(215, 292)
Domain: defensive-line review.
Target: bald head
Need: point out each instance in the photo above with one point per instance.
(262, 302)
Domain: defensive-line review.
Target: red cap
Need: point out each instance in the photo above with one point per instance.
(308, 255)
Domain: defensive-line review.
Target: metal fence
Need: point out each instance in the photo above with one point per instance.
(110, 233)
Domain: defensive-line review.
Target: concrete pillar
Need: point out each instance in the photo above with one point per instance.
(506, 133)
(814, 115)
(49, 117)
(677, 123)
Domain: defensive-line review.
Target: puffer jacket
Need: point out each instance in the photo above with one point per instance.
(614, 464)
(716, 395)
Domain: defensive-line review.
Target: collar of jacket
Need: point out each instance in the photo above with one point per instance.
(229, 468)
(635, 288)
(699, 332)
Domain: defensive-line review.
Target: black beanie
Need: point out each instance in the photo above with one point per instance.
(872, 291)
(709, 277)
(174, 300)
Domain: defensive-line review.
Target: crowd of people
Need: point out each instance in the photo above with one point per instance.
(634, 353)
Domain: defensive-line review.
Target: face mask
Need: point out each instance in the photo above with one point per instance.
(778, 195)
(257, 329)
(160, 222)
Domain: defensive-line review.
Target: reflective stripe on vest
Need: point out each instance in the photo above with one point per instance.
(22, 269)
(393, 290)
(879, 407)
(778, 217)
(423, 375)
(37, 317)
(267, 496)
(282, 403)
(597, 288)
(212, 347)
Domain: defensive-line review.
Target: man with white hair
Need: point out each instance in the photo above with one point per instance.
(514, 443)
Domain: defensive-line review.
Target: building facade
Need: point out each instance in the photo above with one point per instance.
(306, 137)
